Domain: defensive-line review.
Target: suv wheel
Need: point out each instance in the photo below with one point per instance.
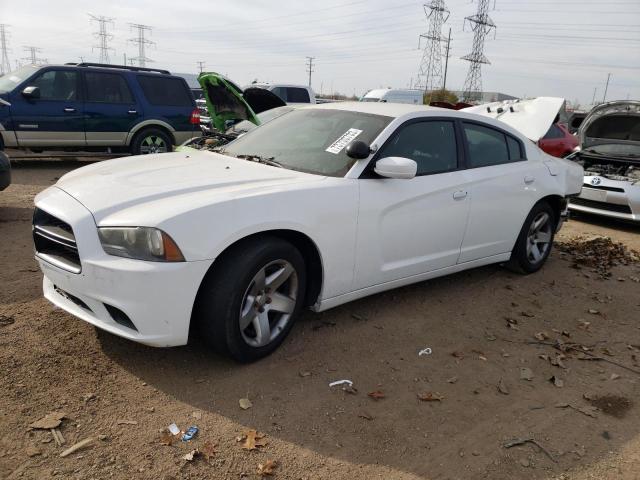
(151, 140)
(249, 302)
(535, 240)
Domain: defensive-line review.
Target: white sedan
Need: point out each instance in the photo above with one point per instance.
(321, 206)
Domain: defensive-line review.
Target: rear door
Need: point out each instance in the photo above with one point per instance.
(111, 109)
(503, 189)
(54, 119)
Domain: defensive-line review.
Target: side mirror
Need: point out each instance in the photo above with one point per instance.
(396, 167)
(31, 92)
(358, 150)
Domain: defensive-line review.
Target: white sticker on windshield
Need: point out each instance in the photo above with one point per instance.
(346, 138)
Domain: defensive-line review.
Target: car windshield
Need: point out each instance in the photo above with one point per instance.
(264, 117)
(12, 79)
(311, 140)
(370, 99)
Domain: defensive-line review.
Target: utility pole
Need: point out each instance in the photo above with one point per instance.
(606, 87)
(593, 100)
(310, 68)
(142, 43)
(446, 62)
(430, 71)
(5, 64)
(481, 25)
(102, 36)
(33, 58)
(201, 66)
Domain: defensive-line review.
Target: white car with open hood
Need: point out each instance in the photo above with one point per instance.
(318, 207)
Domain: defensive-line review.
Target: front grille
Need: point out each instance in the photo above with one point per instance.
(611, 207)
(601, 187)
(55, 242)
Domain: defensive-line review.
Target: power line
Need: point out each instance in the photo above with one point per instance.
(33, 55)
(5, 64)
(142, 43)
(102, 36)
(481, 25)
(430, 72)
(310, 68)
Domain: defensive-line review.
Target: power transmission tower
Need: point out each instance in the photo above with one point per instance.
(310, 69)
(5, 64)
(142, 43)
(430, 72)
(33, 58)
(481, 24)
(102, 36)
(201, 65)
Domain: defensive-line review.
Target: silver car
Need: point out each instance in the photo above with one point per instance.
(610, 155)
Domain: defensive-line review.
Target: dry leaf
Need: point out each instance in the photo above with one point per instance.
(459, 355)
(376, 395)
(51, 420)
(245, 403)
(593, 311)
(502, 387)
(527, 314)
(558, 382)
(366, 416)
(166, 439)
(452, 380)
(253, 439)
(208, 449)
(542, 336)
(430, 397)
(267, 468)
(191, 455)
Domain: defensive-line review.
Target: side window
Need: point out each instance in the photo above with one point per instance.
(554, 132)
(107, 88)
(298, 95)
(431, 144)
(57, 85)
(486, 146)
(167, 91)
(515, 149)
(281, 92)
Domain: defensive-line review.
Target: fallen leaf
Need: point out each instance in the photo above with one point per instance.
(527, 314)
(126, 422)
(197, 415)
(502, 387)
(245, 403)
(166, 439)
(366, 416)
(51, 420)
(191, 455)
(208, 449)
(615, 376)
(542, 336)
(305, 374)
(526, 374)
(607, 352)
(459, 355)
(267, 468)
(376, 395)
(252, 440)
(558, 382)
(452, 380)
(430, 397)
(593, 311)
(6, 320)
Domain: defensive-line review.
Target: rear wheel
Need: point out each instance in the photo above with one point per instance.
(151, 140)
(535, 240)
(249, 301)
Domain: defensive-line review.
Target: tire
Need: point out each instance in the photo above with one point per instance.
(151, 140)
(236, 313)
(535, 240)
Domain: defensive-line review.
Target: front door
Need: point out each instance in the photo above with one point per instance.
(409, 227)
(111, 109)
(54, 119)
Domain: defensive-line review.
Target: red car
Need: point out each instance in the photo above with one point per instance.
(558, 141)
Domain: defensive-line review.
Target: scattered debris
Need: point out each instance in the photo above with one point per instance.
(78, 446)
(542, 336)
(425, 351)
(267, 468)
(208, 449)
(452, 380)
(190, 433)
(6, 320)
(340, 382)
(526, 374)
(166, 439)
(245, 403)
(522, 441)
(51, 420)
(32, 451)
(613, 405)
(366, 416)
(502, 387)
(512, 323)
(600, 253)
(197, 415)
(593, 311)
(252, 440)
(57, 436)
(430, 397)
(189, 457)
(305, 374)
(360, 318)
(173, 428)
(614, 376)
(527, 314)
(458, 355)
(126, 422)
(588, 411)
(376, 395)
(320, 325)
(558, 382)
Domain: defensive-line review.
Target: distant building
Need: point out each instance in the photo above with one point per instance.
(487, 97)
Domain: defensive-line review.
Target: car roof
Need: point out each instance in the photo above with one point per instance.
(378, 108)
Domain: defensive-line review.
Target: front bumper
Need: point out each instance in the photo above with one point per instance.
(156, 297)
(617, 199)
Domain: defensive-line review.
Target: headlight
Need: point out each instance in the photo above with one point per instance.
(141, 243)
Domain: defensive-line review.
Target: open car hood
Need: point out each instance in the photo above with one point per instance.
(226, 101)
(612, 129)
(532, 117)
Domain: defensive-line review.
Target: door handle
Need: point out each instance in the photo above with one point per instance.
(132, 112)
(69, 110)
(459, 195)
(529, 179)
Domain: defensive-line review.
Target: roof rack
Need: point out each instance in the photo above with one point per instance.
(122, 67)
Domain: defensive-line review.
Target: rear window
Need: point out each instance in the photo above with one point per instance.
(297, 95)
(107, 88)
(165, 91)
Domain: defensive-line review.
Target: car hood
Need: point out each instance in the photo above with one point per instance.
(612, 129)
(532, 117)
(226, 101)
(116, 185)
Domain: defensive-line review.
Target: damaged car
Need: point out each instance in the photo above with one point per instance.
(610, 155)
(321, 206)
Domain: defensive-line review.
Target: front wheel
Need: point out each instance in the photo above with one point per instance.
(151, 140)
(535, 240)
(249, 301)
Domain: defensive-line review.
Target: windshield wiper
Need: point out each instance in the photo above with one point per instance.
(259, 159)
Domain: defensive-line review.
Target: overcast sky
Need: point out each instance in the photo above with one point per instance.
(541, 47)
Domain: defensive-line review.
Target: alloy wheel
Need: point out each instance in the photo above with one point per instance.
(153, 144)
(539, 237)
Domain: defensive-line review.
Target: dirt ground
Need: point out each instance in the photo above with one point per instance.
(488, 374)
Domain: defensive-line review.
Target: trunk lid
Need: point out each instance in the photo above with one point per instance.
(612, 130)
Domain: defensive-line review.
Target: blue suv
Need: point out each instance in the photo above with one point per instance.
(90, 106)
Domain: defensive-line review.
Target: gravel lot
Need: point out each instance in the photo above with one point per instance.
(486, 376)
